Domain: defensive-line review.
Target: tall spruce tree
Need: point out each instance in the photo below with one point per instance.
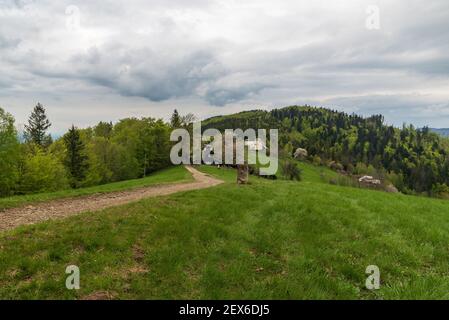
(76, 159)
(175, 120)
(36, 129)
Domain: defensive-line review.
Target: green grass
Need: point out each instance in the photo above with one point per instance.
(173, 174)
(267, 240)
(312, 173)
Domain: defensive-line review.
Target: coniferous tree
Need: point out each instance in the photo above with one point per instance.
(38, 124)
(175, 120)
(76, 159)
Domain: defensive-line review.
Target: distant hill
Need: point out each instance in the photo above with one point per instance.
(415, 160)
(443, 132)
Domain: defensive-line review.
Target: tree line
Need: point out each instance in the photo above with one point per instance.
(131, 148)
(414, 160)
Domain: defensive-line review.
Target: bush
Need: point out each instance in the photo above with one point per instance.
(43, 172)
(336, 166)
(398, 181)
(440, 190)
(316, 160)
(290, 170)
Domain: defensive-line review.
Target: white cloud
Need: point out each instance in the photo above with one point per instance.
(143, 56)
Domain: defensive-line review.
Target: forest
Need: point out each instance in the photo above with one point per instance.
(415, 161)
(32, 162)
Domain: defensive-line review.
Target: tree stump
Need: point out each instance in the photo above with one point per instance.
(242, 173)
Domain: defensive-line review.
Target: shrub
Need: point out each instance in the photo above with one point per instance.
(43, 172)
(440, 190)
(397, 180)
(316, 160)
(290, 170)
(336, 166)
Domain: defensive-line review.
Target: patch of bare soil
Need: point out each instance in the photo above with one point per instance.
(99, 295)
(57, 209)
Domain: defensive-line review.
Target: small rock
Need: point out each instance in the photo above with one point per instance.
(391, 188)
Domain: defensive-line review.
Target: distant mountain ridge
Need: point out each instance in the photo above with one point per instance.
(443, 131)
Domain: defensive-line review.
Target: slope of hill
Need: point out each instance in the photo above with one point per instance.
(270, 239)
(416, 161)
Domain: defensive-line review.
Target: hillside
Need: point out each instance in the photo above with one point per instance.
(272, 239)
(416, 161)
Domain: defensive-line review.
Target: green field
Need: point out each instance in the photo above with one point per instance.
(173, 174)
(267, 240)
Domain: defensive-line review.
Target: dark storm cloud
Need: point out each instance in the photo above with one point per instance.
(142, 72)
(220, 96)
(156, 81)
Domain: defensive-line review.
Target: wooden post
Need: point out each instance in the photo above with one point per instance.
(242, 173)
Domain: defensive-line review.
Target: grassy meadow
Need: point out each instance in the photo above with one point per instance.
(266, 240)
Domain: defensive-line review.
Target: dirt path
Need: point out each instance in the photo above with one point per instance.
(57, 209)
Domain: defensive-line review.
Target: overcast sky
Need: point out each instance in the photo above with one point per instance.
(90, 60)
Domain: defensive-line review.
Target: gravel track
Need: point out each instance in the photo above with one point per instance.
(57, 209)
